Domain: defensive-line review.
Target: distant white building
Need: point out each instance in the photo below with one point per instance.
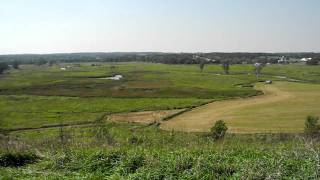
(305, 59)
(257, 64)
(268, 82)
(282, 60)
(195, 57)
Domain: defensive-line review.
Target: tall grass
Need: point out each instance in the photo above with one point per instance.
(140, 152)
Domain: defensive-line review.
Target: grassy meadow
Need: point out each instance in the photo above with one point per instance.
(45, 96)
(39, 96)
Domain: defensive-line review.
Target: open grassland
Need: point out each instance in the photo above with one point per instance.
(145, 80)
(140, 80)
(37, 96)
(298, 72)
(282, 108)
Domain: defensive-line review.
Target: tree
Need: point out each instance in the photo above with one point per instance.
(313, 61)
(219, 130)
(257, 68)
(201, 65)
(311, 126)
(51, 63)
(225, 67)
(15, 64)
(41, 62)
(3, 67)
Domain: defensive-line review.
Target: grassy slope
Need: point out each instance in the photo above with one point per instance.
(137, 152)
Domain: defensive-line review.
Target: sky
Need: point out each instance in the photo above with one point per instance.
(65, 26)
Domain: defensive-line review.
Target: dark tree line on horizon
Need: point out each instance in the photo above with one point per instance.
(157, 57)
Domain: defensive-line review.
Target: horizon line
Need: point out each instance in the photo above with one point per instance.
(165, 52)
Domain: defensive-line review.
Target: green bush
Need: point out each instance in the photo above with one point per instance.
(135, 140)
(311, 126)
(219, 130)
(103, 162)
(131, 163)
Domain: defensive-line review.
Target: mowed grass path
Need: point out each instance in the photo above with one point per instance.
(283, 108)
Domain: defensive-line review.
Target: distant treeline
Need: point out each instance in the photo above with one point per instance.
(157, 57)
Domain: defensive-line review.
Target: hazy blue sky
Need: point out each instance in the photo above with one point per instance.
(47, 26)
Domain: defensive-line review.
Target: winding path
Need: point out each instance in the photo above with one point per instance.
(202, 118)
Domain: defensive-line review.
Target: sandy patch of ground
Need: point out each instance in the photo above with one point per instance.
(144, 117)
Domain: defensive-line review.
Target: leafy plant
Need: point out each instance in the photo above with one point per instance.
(219, 130)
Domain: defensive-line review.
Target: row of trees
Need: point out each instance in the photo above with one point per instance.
(156, 57)
(314, 61)
(5, 66)
(226, 66)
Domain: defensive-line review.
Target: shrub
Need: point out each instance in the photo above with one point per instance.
(3, 66)
(135, 140)
(219, 130)
(132, 163)
(102, 162)
(17, 159)
(61, 162)
(311, 126)
(102, 133)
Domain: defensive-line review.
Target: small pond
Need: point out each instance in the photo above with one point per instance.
(115, 77)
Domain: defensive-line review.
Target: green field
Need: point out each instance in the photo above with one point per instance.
(36, 96)
(35, 111)
(92, 148)
(140, 80)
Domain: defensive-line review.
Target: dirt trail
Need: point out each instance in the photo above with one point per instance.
(143, 117)
(202, 118)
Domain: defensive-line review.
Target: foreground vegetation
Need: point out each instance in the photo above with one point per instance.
(131, 151)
